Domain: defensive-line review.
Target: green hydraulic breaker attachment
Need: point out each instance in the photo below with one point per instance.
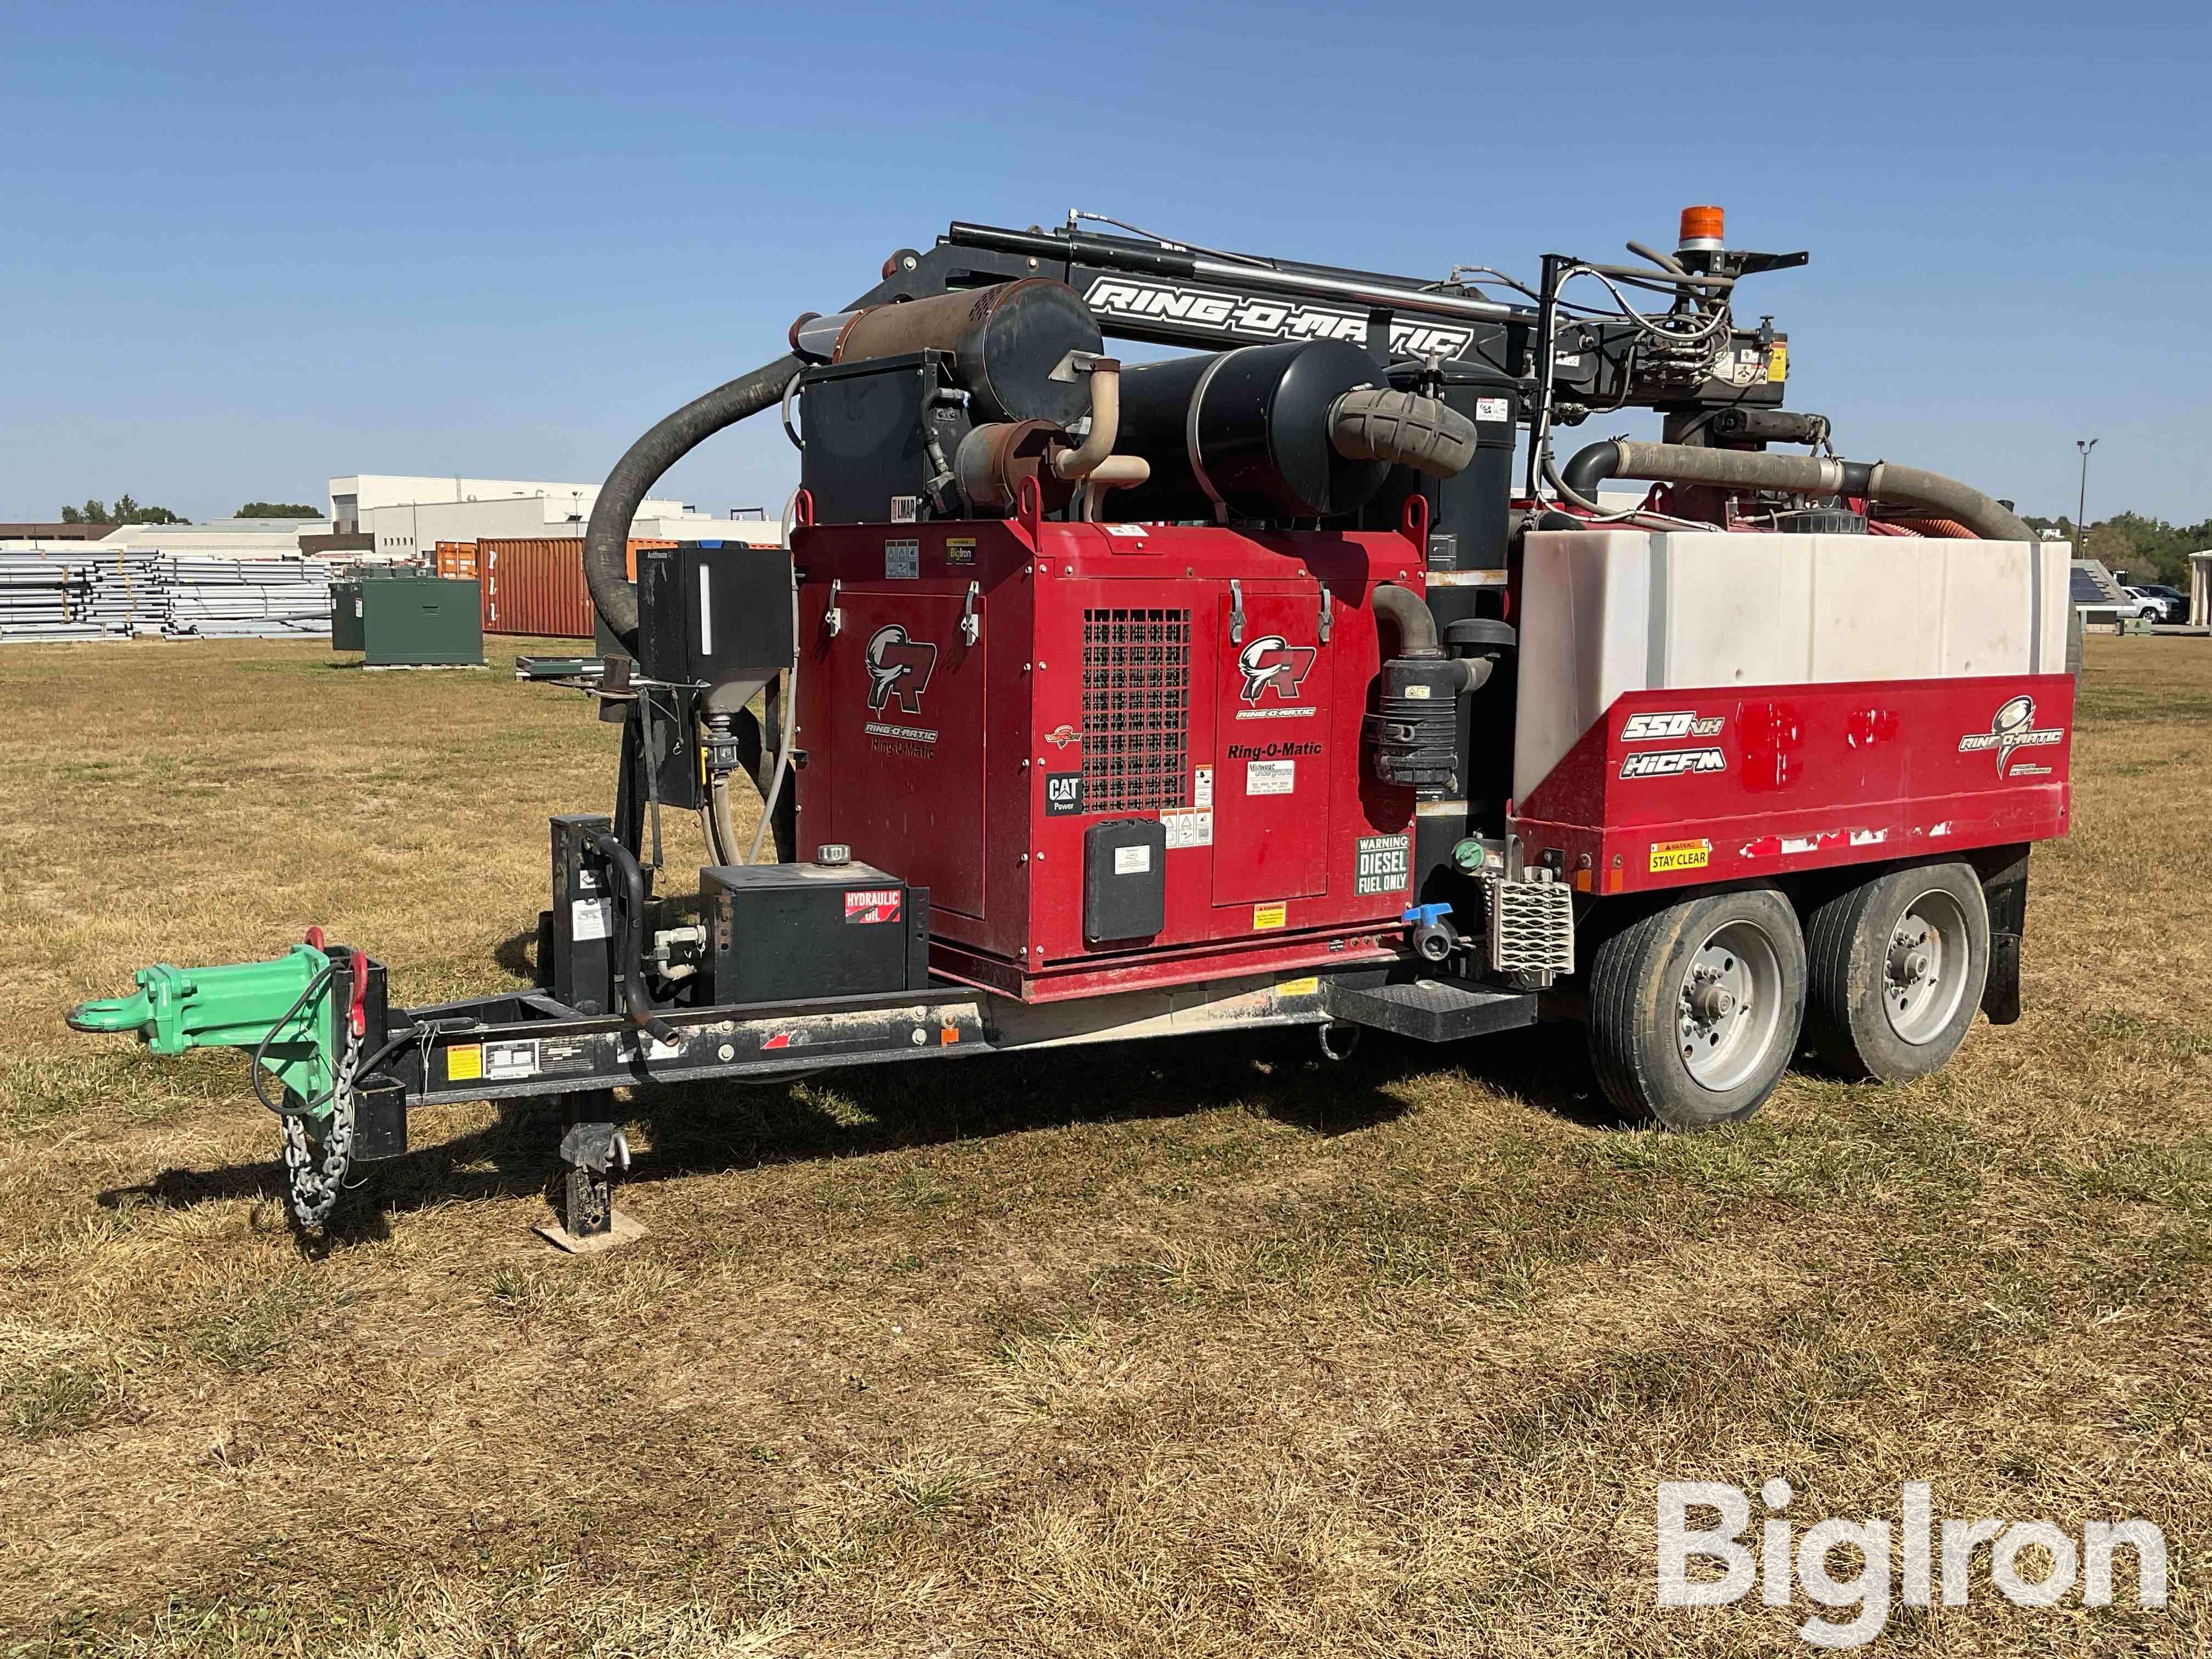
(288, 1011)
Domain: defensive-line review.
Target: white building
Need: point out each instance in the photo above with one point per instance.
(408, 516)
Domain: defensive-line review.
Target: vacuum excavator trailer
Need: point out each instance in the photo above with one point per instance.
(1290, 680)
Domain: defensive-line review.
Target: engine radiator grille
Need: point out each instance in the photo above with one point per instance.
(1136, 710)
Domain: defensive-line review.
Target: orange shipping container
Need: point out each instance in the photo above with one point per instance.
(535, 584)
(458, 559)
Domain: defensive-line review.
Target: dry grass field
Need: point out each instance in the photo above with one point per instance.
(1191, 1348)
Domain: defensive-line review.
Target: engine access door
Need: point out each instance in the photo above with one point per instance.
(905, 705)
(1271, 780)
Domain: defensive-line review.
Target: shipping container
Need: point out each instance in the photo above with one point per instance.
(535, 584)
(457, 560)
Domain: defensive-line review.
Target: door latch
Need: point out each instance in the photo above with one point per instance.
(1236, 611)
(1327, 614)
(971, 625)
(833, 619)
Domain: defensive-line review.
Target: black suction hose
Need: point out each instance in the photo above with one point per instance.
(606, 539)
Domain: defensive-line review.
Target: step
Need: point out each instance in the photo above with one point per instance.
(1432, 1010)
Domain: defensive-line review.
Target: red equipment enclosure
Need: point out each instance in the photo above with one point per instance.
(974, 696)
(1675, 787)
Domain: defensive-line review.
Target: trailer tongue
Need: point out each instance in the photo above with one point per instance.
(1243, 688)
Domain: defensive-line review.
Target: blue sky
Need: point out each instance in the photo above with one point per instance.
(253, 246)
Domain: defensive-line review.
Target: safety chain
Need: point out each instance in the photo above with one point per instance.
(316, 1183)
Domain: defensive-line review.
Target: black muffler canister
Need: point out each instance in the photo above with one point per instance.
(1261, 437)
(1013, 345)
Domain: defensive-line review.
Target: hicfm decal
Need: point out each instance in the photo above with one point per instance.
(1673, 762)
(1271, 664)
(1651, 728)
(2013, 727)
(1263, 319)
(898, 664)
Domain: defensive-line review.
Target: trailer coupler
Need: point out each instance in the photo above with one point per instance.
(301, 1019)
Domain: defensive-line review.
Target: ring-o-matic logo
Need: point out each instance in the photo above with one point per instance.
(1263, 319)
(1273, 663)
(1251, 751)
(899, 668)
(2013, 727)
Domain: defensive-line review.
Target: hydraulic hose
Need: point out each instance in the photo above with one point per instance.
(607, 537)
(1804, 474)
(637, 1001)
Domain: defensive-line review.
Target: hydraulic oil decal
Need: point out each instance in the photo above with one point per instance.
(1680, 855)
(1385, 864)
(871, 904)
(1262, 319)
(1273, 667)
(1063, 793)
(1671, 762)
(1651, 728)
(2013, 727)
(1265, 916)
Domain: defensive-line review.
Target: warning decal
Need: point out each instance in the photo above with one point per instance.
(1385, 865)
(1680, 855)
(1265, 916)
(867, 904)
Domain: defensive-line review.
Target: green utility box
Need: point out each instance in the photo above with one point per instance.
(345, 617)
(402, 620)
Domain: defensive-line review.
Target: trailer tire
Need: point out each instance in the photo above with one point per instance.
(1722, 974)
(1898, 963)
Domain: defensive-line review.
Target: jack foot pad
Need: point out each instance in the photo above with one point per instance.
(621, 1229)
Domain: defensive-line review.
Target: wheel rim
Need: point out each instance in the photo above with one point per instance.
(1925, 967)
(1728, 1006)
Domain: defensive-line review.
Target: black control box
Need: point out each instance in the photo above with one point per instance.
(785, 932)
(709, 611)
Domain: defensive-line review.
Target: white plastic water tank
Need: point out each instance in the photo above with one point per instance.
(1608, 612)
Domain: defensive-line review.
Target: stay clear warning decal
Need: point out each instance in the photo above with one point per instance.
(866, 904)
(1265, 916)
(1680, 855)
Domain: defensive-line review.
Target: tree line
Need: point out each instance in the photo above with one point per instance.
(127, 511)
(2148, 549)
